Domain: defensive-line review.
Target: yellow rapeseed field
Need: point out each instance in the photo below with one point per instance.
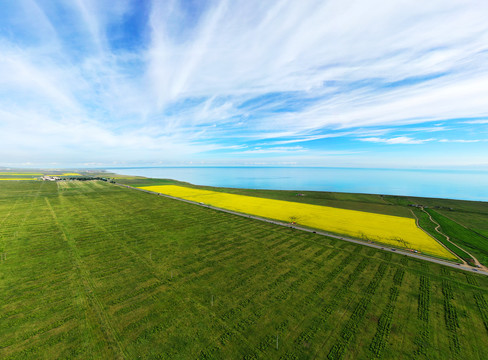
(394, 230)
(19, 174)
(18, 179)
(65, 174)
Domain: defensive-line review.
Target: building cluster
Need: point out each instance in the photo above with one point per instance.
(50, 178)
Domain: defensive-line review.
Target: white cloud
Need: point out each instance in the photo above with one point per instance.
(270, 48)
(340, 65)
(278, 149)
(476, 122)
(460, 141)
(396, 140)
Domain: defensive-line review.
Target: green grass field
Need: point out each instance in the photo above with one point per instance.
(474, 242)
(429, 226)
(90, 270)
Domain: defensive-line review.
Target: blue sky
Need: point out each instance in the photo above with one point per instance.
(374, 83)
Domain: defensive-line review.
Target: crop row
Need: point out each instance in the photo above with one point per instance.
(243, 324)
(313, 296)
(223, 340)
(482, 307)
(271, 341)
(380, 339)
(327, 309)
(305, 246)
(447, 290)
(471, 280)
(282, 278)
(267, 342)
(353, 324)
(36, 332)
(373, 285)
(228, 334)
(371, 251)
(208, 353)
(291, 288)
(245, 275)
(450, 316)
(445, 271)
(231, 313)
(424, 299)
(422, 339)
(248, 321)
(319, 252)
(307, 335)
(332, 255)
(338, 269)
(344, 245)
(398, 277)
(143, 290)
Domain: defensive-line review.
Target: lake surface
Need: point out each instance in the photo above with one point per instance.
(467, 185)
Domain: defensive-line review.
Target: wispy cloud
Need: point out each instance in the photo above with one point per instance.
(278, 149)
(485, 121)
(132, 79)
(460, 141)
(396, 140)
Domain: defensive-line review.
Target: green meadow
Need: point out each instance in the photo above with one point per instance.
(92, 270)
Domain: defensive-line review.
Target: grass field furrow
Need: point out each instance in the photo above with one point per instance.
(172, 280)
(111, 335)
(351, 326)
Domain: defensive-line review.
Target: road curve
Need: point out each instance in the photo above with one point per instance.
(324, 233)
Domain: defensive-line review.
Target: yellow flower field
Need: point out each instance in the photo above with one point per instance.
(394, 230)
(18, 179)
(65, 174)
(19, 174)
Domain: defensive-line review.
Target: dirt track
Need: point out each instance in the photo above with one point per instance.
(477, 263)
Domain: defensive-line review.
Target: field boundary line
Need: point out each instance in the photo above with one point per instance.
(454, 265)
(478, 264)
(436, 240)
(460, 224)
(10, 211)
(87, 281)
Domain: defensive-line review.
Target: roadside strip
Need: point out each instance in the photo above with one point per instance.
(319, 232)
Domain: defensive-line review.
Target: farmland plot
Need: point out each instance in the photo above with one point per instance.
(395, 230)
(92, 270)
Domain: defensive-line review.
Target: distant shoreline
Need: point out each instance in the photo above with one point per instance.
(453, 184)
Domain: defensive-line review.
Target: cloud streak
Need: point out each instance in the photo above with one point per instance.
(134, 79)
(396, 140)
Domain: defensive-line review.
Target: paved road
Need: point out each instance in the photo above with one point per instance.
(360, 242)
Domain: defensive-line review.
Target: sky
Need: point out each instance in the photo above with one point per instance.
(340, 83)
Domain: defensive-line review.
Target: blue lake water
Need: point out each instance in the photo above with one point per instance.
(467, 185)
